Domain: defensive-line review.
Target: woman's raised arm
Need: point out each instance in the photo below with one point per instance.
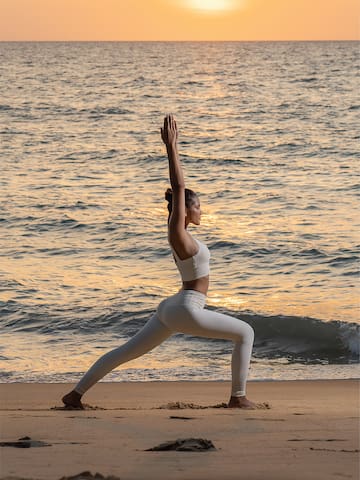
(169, 135)
(184, 245)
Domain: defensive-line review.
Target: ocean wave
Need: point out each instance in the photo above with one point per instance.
(339, 261)
(79, 205)
(299, 339)
(57, 224)
(310, 252)
(107, 111)
(221, 161)
(307, 339)
(8, 131)
(304, 339)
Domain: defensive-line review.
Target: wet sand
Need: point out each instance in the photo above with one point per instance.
(310, 431)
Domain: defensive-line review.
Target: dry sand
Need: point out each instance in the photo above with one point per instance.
(311, 431)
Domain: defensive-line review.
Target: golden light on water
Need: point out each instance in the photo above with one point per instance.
(230, 302)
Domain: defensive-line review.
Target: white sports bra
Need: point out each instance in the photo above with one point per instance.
(194, 267)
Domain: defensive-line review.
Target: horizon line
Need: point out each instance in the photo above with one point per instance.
(178, 41)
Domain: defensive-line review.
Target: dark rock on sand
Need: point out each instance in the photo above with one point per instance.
(185, 445)
(89, 476)
(25, 442)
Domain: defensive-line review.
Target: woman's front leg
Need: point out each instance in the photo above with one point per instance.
(210, 324)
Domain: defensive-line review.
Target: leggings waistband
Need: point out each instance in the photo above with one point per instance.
(192, 297)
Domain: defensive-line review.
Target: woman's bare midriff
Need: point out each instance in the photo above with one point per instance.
(200, 285)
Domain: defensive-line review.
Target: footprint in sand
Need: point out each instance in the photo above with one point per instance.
(84, 417)
(262, 419)
(334, 450)
(181, 418)
(317, 440)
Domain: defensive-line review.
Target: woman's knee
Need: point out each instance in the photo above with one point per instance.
(251, 333)
(247, 334)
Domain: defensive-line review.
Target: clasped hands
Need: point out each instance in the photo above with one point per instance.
(169, 132)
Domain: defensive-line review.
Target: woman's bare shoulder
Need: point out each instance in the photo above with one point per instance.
(184, 245)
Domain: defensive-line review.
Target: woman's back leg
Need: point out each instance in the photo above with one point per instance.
(151, 335)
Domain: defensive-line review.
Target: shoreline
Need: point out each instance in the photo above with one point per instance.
(122, 391)
(304, 435)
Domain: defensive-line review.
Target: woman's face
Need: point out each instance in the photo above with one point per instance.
(193, 213)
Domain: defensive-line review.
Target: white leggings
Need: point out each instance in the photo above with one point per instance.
(181, 313)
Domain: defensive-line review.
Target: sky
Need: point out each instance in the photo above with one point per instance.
(166, 20)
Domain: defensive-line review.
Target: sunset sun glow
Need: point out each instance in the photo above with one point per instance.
(213, 6)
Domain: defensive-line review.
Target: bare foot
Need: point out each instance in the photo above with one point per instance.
(241, 402)
(73, 400)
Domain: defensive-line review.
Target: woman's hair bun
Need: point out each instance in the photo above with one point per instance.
(190, 197)
(168, 195)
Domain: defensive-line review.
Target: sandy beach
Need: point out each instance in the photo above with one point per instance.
(310, 431)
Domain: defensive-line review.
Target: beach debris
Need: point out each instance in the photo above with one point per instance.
(25, 442)
(89, 476)
(184, 445)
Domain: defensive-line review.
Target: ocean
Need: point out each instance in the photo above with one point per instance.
(269, 139)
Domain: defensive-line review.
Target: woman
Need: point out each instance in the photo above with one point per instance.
(183, 312)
